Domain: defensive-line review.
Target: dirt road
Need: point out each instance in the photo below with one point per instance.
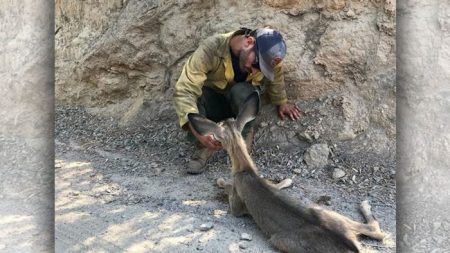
(124, 189)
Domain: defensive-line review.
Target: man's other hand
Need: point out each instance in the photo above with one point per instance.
(290, 110)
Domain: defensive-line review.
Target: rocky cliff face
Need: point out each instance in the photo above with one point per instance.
(128, 54)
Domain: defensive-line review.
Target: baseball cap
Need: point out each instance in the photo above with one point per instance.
(269, 46)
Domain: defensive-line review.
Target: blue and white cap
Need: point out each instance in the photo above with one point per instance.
(271, 49)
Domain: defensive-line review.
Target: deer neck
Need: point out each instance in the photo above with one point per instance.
(240, 158)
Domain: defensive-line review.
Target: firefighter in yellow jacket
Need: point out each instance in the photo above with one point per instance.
(218, 77)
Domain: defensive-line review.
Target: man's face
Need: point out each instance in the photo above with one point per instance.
(247, 58)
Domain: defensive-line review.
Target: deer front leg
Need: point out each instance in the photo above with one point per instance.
(237, 206)
(372, 228)
(227, 186)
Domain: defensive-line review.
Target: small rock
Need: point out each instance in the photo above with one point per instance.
(246, 237)
(160, 170)
(305, 137)
(199, 247)
(316, 135)
(243, 244)
(263, 124)
(316, 156)
(350, 13)
(297, 171)
(294, 12)
(206, 226)
(436, 225)
(338, 173)
(376, 169)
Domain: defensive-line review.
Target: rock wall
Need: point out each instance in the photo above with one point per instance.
(124, 54)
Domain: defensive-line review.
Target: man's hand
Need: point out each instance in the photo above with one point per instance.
(208, 141)
(290, 110)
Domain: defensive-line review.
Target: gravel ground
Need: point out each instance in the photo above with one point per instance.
(125, 188)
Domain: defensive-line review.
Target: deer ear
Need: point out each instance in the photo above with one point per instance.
(203, 125)
(248, 111)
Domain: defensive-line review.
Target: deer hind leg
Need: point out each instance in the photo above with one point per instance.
(283, 242)
(311, 239)
(372, 228)
(237, 206)
(281, 185)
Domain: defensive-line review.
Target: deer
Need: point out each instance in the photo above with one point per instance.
(290, 224)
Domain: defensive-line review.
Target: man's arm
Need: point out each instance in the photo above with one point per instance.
(276, 88)
(277, 94)
(189, 88)
(189, 85)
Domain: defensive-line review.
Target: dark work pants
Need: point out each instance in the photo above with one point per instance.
(217, 107)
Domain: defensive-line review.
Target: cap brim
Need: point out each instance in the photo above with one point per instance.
(266, 68)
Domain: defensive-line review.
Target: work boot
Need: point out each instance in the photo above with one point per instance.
(197, 164)
(249, 139)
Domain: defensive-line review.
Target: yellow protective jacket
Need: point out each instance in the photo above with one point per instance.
(211, 65)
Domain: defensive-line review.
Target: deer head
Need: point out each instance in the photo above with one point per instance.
(228, 132)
